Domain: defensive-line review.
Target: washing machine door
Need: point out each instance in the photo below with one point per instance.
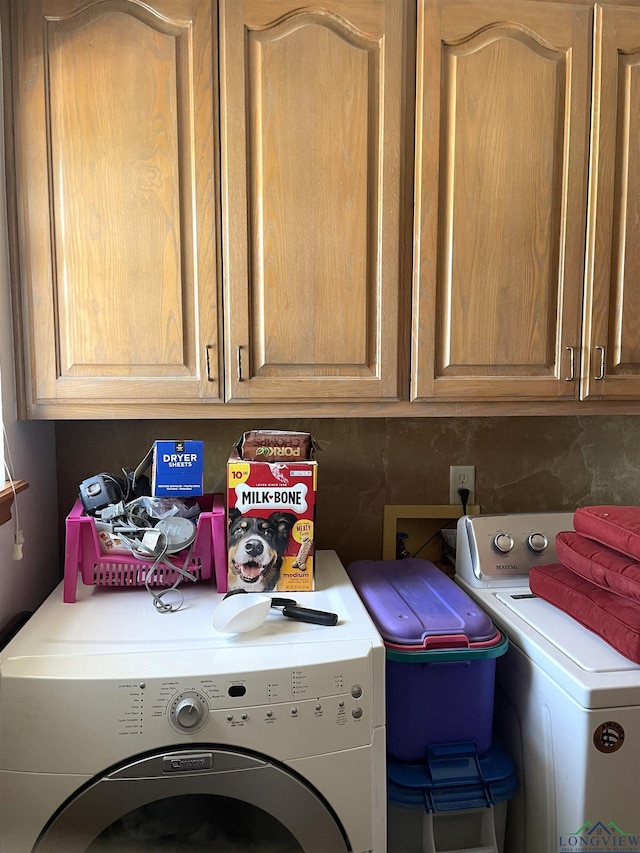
(196, 800)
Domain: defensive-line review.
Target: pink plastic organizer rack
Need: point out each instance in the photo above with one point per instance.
(84, 554)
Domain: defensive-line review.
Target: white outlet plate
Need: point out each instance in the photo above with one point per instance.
(462, 477)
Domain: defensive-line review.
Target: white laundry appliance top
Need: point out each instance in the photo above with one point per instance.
(106, 627)
(587, 667)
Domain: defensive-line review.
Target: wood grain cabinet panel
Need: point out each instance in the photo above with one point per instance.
(312, 139)
(114, 164)
(141, 172)
(218, 208)
(611, 353)
(503, 130)
(527, 132)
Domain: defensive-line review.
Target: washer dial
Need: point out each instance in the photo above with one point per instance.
(537, 542)
(503, 542)
(189, 711)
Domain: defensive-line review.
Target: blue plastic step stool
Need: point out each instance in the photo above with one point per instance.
(454, 784)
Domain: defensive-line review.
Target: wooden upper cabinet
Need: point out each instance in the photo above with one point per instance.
(312, 136)
(611, 355)
(220, 203)
(114, 167)
(501, 165)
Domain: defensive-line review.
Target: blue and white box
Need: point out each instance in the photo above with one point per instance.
(178, 469)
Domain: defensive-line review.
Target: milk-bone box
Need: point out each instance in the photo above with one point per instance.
(271, 508)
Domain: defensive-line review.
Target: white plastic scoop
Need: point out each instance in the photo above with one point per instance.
(239, 613)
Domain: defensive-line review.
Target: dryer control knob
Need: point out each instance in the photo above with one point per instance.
(537, 542)
(503, 542)
(189, 712)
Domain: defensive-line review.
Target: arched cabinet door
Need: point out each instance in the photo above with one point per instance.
(501, 187)
(203, 799)
(611, 352)
(312, 110)
(115, 268)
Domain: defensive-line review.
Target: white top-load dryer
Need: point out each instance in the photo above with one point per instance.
(567, 705)
(126, 729)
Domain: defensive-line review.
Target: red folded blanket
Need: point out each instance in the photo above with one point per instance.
(612, 617)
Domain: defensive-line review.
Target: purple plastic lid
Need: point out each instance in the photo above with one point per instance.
(412, 600)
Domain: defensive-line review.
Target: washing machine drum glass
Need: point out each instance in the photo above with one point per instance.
(195, 822)
(230, 802)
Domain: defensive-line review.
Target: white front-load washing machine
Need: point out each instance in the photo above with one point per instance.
(122, 728)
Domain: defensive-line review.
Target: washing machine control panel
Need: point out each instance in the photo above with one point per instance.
(316, 708)
(501, 549)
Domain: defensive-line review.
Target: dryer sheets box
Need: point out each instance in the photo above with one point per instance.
(178, 469)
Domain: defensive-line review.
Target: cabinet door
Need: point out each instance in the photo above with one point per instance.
(501, 170)
(114, 161)
(611, 356)
(311, 135)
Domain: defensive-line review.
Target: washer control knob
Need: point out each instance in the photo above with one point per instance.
(537, 542)
(188, 712)
(503, 542)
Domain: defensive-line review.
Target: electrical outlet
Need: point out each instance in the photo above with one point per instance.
(462, 477)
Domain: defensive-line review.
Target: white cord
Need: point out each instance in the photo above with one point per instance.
(141, 551)
(157, 595)
(18, 538)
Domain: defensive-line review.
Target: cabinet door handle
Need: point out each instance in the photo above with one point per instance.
(572, 364)
(239, 362)
(600, 375)
(207, 356)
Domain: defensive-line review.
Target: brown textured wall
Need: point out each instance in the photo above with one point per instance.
(522, 464)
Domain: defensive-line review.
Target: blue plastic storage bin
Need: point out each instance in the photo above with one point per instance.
(441, 656)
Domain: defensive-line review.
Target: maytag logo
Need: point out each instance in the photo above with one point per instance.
(187, 763)
(274, 497)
